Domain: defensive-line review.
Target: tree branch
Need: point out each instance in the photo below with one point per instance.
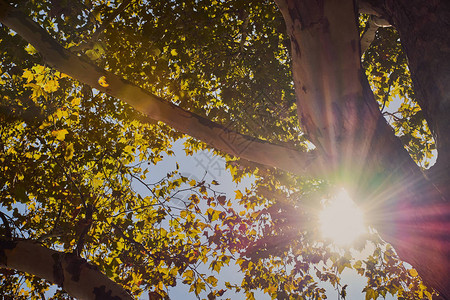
(79, 278)
(213, 134)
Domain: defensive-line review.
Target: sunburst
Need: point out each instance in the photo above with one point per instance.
(341, 220)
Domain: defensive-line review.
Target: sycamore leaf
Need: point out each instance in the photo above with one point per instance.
(51, 86)
(76, 101)
(102, 81)
(30, 49)
(28, 75)
(370, 294)
(60, 134)
(69, 152)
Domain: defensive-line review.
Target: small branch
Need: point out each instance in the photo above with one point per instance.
(83, 199)
(53, 232)
(244, 31)
(386, 96)
(86, 223)
(392, 115)
(125, 237)
(89, 44)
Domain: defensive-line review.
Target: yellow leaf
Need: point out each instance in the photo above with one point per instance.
(128, 149)
(69, 152)
(189, 276)
(38, 69)
(413, 273)
(76, 101)
(212, 280)
(96, 182)
(51, 86)
(174, 52)
(28, 75)
(102, 81)
(30, 49)
(60, 134)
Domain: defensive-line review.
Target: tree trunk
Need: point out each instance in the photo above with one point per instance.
(424, 29)
(74, 274)
(341, 117)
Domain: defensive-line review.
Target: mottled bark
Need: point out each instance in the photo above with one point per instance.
(74, 274)
(339, 113)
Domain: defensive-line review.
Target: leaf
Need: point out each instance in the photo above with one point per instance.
(75, 101)
(413, 272)
(128, 149)
(212, 280)
(68, 154)
(189, 276)
(30, 49)
(102, 81)
(60, 134)
(370, 294)
(221, 199)
(51, 86)
(28, 75)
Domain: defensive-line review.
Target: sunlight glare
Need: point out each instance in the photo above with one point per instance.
(341, 220)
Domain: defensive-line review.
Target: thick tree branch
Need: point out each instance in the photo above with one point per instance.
(78, 278)
(339, 113)
(213, 134)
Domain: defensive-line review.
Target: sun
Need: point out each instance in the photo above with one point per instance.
(341, 220)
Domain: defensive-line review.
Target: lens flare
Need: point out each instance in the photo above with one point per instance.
(341, 220)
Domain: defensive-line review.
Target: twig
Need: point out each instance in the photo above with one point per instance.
(386, 96)
(83, 200)
(89, 44)
(86, 228)
(53, 232)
